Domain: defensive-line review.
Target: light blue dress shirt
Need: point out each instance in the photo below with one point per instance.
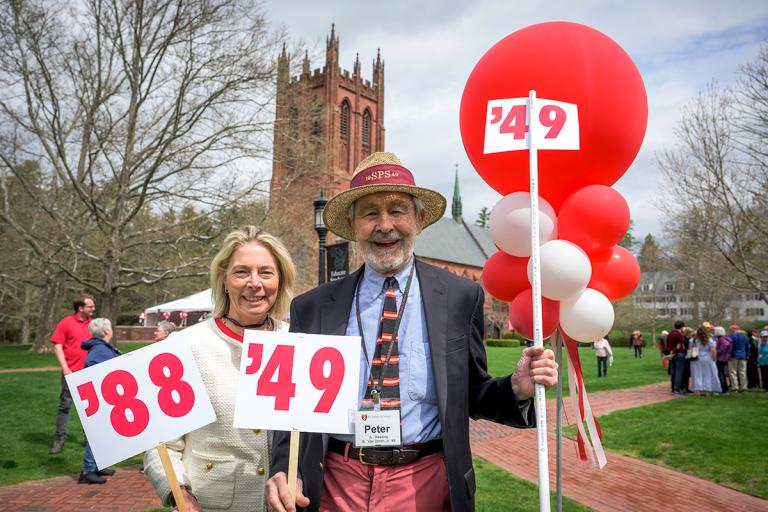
(418, 398)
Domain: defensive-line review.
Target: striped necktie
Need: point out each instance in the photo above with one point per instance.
(386, 348)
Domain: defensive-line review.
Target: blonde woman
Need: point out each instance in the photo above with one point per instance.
(219, 467)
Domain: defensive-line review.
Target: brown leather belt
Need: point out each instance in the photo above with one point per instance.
(386, 456)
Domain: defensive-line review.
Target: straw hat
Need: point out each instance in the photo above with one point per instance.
(379, 172)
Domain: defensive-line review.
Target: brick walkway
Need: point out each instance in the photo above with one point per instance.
(128, 490)
(625, 484)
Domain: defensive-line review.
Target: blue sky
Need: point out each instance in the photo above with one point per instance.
(430, 48)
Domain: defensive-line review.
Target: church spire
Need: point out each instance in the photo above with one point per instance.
(456, 206)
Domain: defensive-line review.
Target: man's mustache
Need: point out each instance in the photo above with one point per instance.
(381, 237)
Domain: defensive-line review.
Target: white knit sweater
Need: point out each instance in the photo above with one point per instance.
(226, 468)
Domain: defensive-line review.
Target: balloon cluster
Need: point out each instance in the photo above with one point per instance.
(582, 267)
(581, 218)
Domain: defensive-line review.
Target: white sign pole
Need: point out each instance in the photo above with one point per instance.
(540, 400)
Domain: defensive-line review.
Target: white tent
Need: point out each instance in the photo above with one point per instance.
(197, 302)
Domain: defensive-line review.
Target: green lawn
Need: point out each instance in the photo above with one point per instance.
(29, 402)
(19, 356)
(626, 371)
(717, 438)
(498, 490)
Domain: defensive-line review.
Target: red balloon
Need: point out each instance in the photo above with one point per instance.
(595, 218)
(566, 62)
(521, 314)
(505, 276)
(617, 276)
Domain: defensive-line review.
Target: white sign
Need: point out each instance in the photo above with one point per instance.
(292, 381)
(506, 126)
(129, 404)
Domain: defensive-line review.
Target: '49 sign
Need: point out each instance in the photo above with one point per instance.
(292, 381)
(507, 126)
(131, 403)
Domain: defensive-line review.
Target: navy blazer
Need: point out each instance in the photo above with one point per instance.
(453, 308)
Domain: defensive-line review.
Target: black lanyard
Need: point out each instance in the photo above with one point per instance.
(400, 312)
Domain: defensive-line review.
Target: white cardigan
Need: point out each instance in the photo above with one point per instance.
(226, 468)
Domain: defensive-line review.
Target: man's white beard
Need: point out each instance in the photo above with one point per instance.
(387, 264)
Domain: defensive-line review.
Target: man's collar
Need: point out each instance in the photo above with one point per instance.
(376, 280)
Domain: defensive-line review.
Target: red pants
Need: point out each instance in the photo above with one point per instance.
(351, 486)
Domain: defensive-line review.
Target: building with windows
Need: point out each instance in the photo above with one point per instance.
(328, 120)
(671, 294)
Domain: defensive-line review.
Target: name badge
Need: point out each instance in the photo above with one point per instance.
(377, 428)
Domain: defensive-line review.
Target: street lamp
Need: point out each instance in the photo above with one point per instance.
(322, 231)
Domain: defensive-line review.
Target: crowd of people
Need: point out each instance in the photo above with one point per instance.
(710, 360)
(421, 331)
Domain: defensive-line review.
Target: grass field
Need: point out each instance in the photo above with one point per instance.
(626, 371)
(19, 356)
(718, 438)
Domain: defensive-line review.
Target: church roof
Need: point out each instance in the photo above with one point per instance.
(455, 242)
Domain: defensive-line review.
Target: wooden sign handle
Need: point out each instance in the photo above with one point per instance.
(170, 474)
(293, 463)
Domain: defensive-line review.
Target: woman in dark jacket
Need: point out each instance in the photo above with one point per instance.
(99, 350)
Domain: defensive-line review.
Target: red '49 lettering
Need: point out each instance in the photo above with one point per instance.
(277, 377)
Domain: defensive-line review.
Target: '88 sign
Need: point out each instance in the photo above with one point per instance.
(131, 403)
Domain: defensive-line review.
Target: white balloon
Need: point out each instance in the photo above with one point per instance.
(565, 269)
(510, 223)
(588, 317)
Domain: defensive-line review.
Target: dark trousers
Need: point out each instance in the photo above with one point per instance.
(753, 380)
(602, 364)
(722, 373)
(638, 351)
(686, 374)
(65, 403)
(678, 368)
(764, 376)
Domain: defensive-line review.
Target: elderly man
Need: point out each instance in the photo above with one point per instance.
(70, 332)
(422, 367)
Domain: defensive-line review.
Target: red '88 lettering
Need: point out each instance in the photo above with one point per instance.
(119, 389)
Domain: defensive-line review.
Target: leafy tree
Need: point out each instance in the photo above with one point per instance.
(130, 110)
(483, 217)
(717, 178)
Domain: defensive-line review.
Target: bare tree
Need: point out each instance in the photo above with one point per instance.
(133, 108)
(717, 180)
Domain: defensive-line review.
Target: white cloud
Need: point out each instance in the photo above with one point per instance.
(429, 49)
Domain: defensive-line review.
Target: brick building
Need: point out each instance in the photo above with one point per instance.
(328, 120)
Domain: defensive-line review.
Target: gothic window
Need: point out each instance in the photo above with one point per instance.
(344, 130)
(366, 132)
(344, 135)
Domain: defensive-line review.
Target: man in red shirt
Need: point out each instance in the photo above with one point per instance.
(70, 332)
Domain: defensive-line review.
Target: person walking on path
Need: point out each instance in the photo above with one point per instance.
(636, 341)
(99, 350)
(604, 356)
(70, 332)
(737, 365)
(703, 370)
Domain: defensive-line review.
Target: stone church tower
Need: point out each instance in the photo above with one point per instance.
(327, 120)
